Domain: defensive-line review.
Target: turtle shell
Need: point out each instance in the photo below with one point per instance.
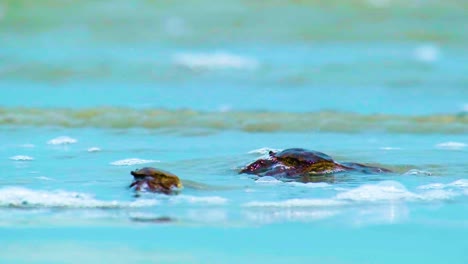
(151, 172)
(306, 161)
(300, 157)
(156, 179)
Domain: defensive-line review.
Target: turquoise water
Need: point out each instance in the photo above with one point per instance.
(92, 90)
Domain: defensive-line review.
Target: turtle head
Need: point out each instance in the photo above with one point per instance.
(142, 173)
(137, 174)
(259, 166)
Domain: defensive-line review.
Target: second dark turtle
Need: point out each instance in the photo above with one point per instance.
(299, 162)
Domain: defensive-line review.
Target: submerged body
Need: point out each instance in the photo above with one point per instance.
(155, 180)
(298, 163)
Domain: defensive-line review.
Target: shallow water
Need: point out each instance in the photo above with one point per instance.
(83, 104)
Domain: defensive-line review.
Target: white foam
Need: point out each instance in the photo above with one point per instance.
(94, 149)
(386, 190)
(427, 53)
(383, 192)
(395, 191)
(132, 161)
(211, 200)
(462, 183)
(311, 184)
(27, 198)
(438, 195)
(418, 172)
(268, 180)
(263, 151)
(451, 145)
(215, 60)
(432, 186)
(63, 140)
(21, 158)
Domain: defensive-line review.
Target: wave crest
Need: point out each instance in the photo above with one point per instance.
(26, 198)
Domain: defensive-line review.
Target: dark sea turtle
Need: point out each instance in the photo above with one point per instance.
(298, 162)
(155, 180)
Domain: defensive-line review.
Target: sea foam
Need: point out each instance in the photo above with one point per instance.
(63, 140)
(21, 158)
(94, 149)
(132, 161)
(383, 192)
(212, 61)
(27, 198)
(263, 151)
(386, 190)
(462, 183)
(268, 180)
(311, 184)
(451, 145)
(418, 172)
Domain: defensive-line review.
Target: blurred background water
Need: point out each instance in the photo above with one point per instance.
(90, 90)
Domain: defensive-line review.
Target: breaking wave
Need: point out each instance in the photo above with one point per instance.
(386, 191)
(26, 198)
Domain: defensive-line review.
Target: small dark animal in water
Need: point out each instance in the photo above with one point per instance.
(297, 162)
(155, 180)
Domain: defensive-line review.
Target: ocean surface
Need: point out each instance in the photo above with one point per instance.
(91, 90)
